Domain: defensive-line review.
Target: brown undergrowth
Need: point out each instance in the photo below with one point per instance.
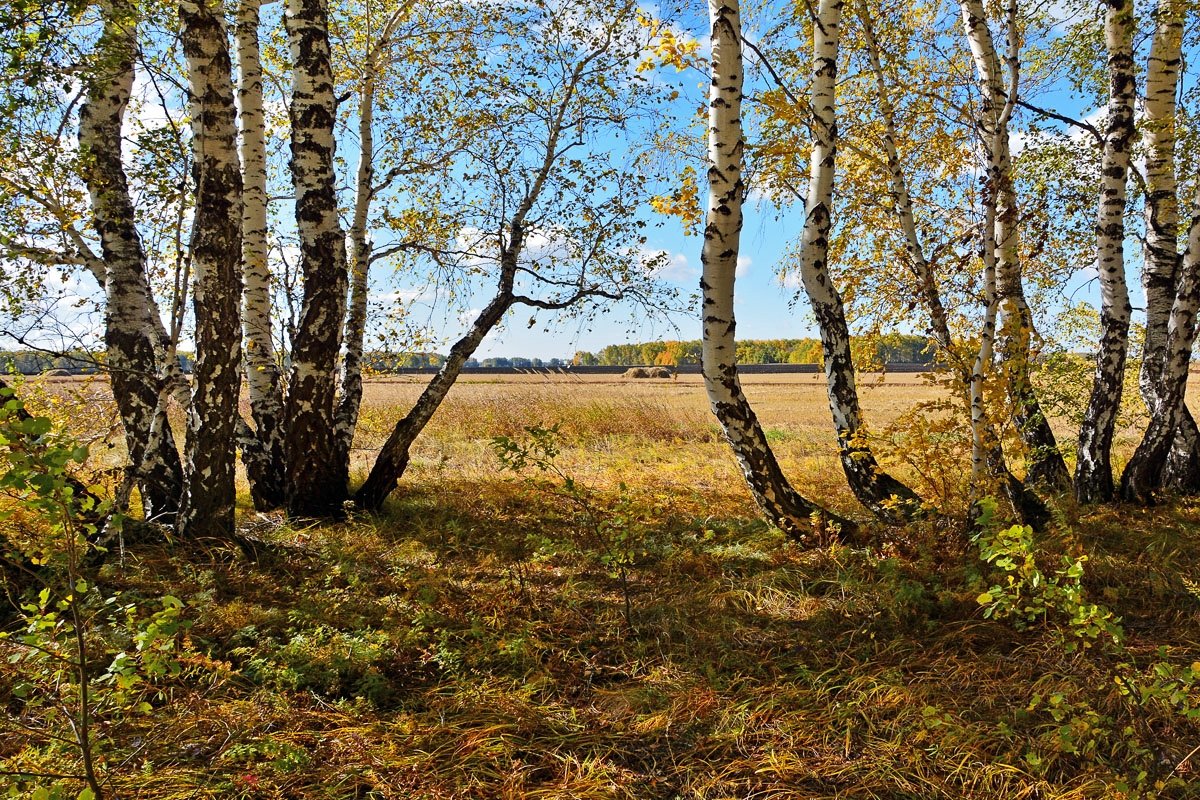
(458, 647)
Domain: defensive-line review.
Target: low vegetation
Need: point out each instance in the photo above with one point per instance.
(574, 598)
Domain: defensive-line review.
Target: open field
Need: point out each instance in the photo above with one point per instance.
(473, 642)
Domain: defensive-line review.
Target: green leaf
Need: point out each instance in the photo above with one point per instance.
(984, 599)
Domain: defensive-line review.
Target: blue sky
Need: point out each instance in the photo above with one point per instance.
(765, 307)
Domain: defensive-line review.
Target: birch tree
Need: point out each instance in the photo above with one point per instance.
(1143, 473)
(782, 504)
(1001, 237)
(316, 475)
(1160, 252)
(263, 448)
(216, 250)
(388, 50)
(989, 465)
(1093, 472)
(881, 493)
(131, 315)
(550, 209)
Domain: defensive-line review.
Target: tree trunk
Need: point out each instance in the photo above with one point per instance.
(360, 265)
(263, 452)
(781, 503)
(393, 457)
(316, 476)
(1093, 472)
(216, 250)
(1181, 473)
(885, 496)
(1160, 253)
(1014, 322)
(987, 452)
(129, 308)
(1143, 473)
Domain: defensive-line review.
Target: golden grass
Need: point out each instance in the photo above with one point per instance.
(439, 651)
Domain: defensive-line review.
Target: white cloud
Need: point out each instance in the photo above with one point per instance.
(743, 266)
(402, 296)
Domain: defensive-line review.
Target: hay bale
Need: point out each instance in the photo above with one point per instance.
(636, 372)
(660, 372)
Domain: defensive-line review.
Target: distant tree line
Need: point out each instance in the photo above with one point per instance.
(72, 362)
(395, 362)
(867, 351)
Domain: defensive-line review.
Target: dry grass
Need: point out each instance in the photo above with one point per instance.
(441, 651)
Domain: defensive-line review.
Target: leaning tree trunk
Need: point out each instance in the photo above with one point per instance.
(316, 476)
(1014, 324)
(1093, 472)
(393, 456)
(1143, 473)
(987, 452)
(263, 450)
(885, 496)
(216, 250)
(782, 504)
(1160, 255)
(129, 310)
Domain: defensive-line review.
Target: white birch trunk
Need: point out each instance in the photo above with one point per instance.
(360, 245)
(1093, 472)
(1143, 473)
(130, 314)
(263, 453)
(1161, 214)
(316, 476)
(360, 266)
(209, 496)
(881, 493)
(1014, 321)
(771, 490)
(360, 241)
(1161, 205)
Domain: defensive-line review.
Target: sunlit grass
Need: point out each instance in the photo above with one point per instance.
(439, 651)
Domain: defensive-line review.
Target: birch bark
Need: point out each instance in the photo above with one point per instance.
(130, 313)
(360, 265)
(1161, 248)
(263, 451)
(1161, 204)
(987, 454)
(782, 504)
(208, 502)
(316, 476)
(360, 245)
(1143, 473)
(1014, 321)
(1093, 472)
(885, 496)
